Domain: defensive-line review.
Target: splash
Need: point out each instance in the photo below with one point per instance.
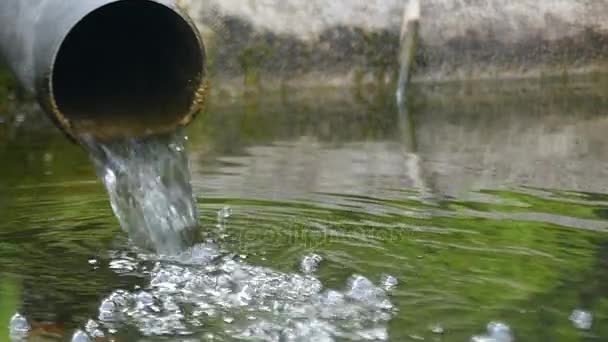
(204, 288)
(148, 182)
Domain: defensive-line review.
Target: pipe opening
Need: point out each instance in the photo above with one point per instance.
(132, 64)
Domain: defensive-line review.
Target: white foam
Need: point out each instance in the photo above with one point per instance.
(253, 302)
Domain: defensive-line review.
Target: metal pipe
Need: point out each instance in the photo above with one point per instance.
(106, 68)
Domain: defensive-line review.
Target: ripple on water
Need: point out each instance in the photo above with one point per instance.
(252, 302)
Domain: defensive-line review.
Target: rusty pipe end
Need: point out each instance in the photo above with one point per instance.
(129, 68)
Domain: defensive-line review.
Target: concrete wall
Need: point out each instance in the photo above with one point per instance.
(349, 40)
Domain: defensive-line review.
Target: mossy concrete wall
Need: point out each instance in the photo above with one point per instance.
(339, 41)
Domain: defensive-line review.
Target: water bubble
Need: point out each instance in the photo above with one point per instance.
(176, 147)
(110, 309)
(80, 336)
(224, 213)
(18, 328)
(363, 290)
(310, 263)
(19, 119)
(199, 254)
(92, 329)
(581, 319)
(375, 334)
(123, 265)
(47, 157)
(437, 329)
(107, 310)
(389, 282)
(144, 299)
(498, 328)
(255, 302)
(332, 298)
(222, 216)
(262, 331)
(496, 332)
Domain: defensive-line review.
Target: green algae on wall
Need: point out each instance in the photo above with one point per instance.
(353, 41)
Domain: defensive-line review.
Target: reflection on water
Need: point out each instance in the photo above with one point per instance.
(480, 213)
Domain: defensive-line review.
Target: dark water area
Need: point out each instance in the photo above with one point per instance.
(483, 202)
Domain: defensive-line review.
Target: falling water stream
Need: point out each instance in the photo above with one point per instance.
(148, 183)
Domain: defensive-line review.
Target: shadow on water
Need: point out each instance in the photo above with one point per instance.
(487, 202)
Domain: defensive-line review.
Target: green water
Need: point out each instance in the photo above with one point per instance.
(487, 201)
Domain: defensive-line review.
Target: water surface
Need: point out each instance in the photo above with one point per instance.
(327, 214)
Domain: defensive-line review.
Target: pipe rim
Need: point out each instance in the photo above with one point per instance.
(199, 95)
